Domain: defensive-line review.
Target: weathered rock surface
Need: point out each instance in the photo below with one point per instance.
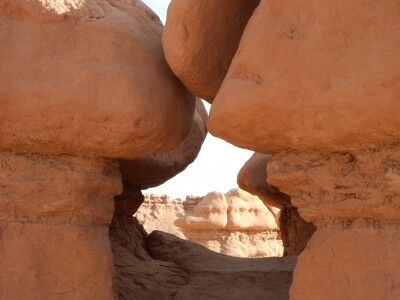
(313, 75)
(54, 218)
(353, 198)
(88, 78)
(162, 266)
(201, 38)
(235, 224)
(153, 170)
(253, 179)
(160, 213)
(295, 231)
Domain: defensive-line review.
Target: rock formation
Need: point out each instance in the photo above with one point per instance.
(303, 71)
(154, 169)
(250, 232)
(162, 266)
(295, 231)
(88, 78)
(86, 92)
(201, 38)
(316, 84)
(54, 217)
(160, 213)
(235, 224)
(83, 83)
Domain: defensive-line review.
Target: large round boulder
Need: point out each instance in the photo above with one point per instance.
(201, 38)
(153, 170)
(87, 78)
(313, 75)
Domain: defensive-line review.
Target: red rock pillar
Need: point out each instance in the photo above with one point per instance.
(354, 200)
(54, 219)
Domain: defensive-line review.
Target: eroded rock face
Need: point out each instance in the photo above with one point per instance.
(295, 231)
(88, 78)
(162, 266)
(315, 75)
(253, 179)
(82, 82)
(54, 217)
(235, 224)
(153, 170)
(352, 197)
(160, 213)
(201, 38)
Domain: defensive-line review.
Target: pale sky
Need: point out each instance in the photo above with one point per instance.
(218, 163)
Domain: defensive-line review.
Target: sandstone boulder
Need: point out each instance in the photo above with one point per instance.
(87, 78)
(295, 231)
(153, 170)
(313, 75)
(201, 38)
(253, 179)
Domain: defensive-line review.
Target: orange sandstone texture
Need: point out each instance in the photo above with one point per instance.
(88, 78)
(353, 199)
(295, 231)
(54, 218)
(201, 38)
(316, 83)
(252, 178)
(313, 75)
(153, 170)
(82, 82)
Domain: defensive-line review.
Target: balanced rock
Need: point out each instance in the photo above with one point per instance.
(313, 75)
(201, 38)
(87, 78)
(154, 169)
(81, 82)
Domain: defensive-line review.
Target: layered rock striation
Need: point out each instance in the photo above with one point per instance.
(235, 224)
(84, 84)
(316, 85)
(295, 231)
(160, 213)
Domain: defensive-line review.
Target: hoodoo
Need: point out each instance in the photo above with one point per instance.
(316, 84)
